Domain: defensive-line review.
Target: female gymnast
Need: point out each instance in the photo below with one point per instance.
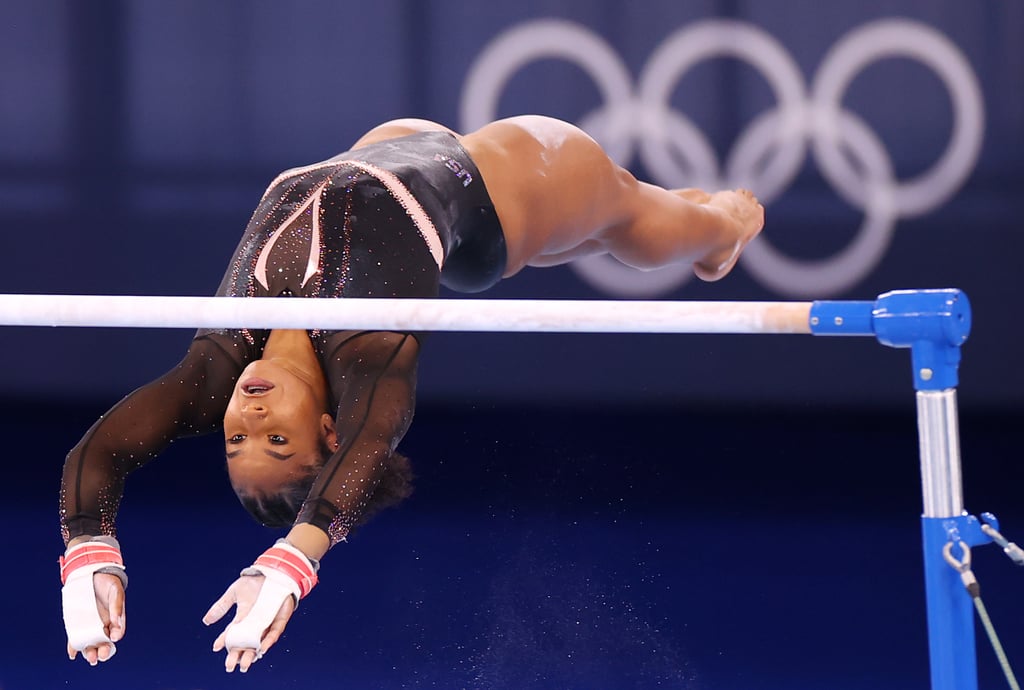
(312, 419)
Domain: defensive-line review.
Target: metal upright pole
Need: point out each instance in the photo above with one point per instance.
(950, 610)
(933, 324)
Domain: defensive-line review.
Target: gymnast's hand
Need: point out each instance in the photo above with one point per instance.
(109, 598)
(92, 598)
(261, 614)
(264, 597)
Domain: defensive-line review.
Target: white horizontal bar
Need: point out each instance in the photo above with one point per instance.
(562, 316)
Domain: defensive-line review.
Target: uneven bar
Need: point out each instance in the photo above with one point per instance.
(469, 315)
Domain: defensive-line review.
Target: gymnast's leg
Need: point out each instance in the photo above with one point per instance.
(662, 230)
(393, 129)
(559, 197)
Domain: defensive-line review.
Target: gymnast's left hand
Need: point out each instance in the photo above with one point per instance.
(262, 610)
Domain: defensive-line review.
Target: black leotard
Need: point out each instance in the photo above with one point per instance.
(393, 219)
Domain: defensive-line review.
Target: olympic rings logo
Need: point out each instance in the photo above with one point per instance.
(768, 154)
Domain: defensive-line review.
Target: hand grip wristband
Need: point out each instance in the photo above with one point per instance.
(82, 620)
(286, 571)
(285, 558)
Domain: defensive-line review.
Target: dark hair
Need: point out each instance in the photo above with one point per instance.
(281, 509)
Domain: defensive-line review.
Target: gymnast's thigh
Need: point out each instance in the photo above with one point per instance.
(393, 129)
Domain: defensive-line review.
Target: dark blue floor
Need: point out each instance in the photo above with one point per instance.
(549, 548)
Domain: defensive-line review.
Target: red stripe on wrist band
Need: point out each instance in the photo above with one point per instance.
(88, 554)
(292, 565)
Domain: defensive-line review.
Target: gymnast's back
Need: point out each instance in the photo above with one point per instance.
(397, 218)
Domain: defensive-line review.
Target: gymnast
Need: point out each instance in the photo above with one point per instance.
(312, 419)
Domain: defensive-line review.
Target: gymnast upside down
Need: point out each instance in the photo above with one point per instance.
(312, 419)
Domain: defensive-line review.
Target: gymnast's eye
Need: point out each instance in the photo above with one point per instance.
(237, 438)
(277, 439)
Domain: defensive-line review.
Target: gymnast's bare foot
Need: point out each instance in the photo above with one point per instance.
(692, 194)
(744, 218)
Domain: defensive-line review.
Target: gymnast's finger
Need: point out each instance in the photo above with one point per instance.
(277, 626)
(219, 643)
(240, 658)
(220, 607)
(273, 634)
(104, 651)
(231, 660)
(247, 659)
(116, 614)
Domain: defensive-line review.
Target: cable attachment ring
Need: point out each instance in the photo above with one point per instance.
(962, 566)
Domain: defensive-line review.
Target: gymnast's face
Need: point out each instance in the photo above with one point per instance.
(274, 427)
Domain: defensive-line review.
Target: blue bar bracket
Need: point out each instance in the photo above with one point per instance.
(964, 528)
(932, 323)
(951, 645)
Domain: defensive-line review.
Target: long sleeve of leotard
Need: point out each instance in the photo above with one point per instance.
(186, 401)
(372, 376)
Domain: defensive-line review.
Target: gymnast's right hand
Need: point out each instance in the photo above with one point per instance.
(93, 598)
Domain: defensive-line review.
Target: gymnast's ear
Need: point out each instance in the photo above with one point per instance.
(329, 432)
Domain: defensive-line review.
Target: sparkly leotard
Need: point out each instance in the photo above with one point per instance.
(393, 219)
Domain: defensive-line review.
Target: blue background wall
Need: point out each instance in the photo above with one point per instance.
(137, 136)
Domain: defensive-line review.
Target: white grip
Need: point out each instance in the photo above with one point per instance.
(248, 632)
(81, 617)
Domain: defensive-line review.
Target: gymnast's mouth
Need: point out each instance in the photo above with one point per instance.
(256, 386)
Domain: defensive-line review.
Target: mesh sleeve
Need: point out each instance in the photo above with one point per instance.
(372, 376)
(186, 401)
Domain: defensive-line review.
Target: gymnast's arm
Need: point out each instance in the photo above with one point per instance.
(186, 401)
(373, 377)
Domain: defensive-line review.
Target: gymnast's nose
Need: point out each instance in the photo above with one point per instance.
(254, 411)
